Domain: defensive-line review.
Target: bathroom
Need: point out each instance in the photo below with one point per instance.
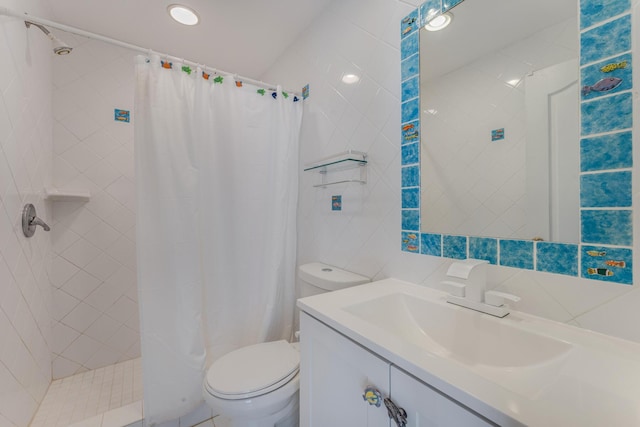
(69, 297)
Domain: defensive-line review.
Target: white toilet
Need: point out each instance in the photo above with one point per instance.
(257, 386)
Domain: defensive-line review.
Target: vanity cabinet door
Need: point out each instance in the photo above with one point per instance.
(425, 406)
(334, 372)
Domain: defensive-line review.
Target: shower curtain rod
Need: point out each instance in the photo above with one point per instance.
(66, 28)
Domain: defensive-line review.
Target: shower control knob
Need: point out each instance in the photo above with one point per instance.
(30, 220)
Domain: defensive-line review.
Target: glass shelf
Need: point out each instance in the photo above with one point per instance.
(340, 162)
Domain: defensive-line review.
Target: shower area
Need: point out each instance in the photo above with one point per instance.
(70, 318)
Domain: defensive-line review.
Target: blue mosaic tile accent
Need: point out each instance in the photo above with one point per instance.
(516, 253)
(620, 68)
(602, 190)
(428, 10)
(607, 227)
(411, 88)
(411, 110)
(410, 45)
(606, 152)
(410, 154)
(410, 198)
(606, 40)
(557, 258)
(484, 248)
(411, 176)
(411, 219)
(454, 247)
(410, 67)
(607, 114)
(449, 4)
(594, 11)
(607, 264)
(409, 24)
(431, 244)
(411, 132)
(410, 242)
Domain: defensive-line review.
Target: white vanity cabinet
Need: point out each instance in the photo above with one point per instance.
(335, 371)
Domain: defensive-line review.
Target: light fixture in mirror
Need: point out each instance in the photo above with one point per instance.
(485, 169)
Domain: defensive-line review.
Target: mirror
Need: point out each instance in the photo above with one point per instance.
(499, 110)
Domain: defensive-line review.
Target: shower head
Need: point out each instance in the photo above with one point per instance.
(59, 47)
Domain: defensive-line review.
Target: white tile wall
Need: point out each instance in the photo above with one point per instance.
(362, 36)
(25, 169)
(94, 281)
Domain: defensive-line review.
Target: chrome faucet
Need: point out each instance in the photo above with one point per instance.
(468, 288)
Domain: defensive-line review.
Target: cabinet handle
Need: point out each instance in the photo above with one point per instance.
(372, 396)
(397, 414)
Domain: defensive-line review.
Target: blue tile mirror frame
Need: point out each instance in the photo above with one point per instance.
(605, 251)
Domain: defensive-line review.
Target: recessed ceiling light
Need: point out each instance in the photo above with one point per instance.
(439, 22)
(183, 14)
(350, 79)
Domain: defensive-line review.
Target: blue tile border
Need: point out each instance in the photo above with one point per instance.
(516, 253)
(559, 258)
(605, 190)
(484, 248)
(431, 244)
(454, 247)
(606, 40)
(605, 147)
(611, 151)
(595, 11)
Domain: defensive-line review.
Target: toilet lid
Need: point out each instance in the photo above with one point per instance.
(253, 370)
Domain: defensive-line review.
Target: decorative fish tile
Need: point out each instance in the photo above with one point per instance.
(484, 248)
(516, 253)
(609, 227)
(411, 132)
(595, 11)
(611, 151)
(410, 67)
(606, 40)
(607, 264)
(619, 69)
(602, 190)
(410, 242)
(454, 247)
(123, 116)
(410, 45)
(409, 24)
(411, 219)
(411, 176)
(607, 114)
(410, 198)
(559, 258)
(336, 203)
(411, 88)
(410, 110)
(410, 154)
(431, 244)
(428, 10)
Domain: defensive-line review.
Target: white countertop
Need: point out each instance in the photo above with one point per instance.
(595, 383)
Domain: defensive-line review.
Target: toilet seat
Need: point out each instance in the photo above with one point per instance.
(253, 371)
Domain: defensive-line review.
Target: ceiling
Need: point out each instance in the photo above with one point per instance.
(239, 36)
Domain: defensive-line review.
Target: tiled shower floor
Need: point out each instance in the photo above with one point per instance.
(105, 397)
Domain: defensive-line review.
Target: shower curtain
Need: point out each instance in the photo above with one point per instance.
(216, 177)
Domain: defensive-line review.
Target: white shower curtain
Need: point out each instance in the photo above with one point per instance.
(216, 171)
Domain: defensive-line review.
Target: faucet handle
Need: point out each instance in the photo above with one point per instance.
(496, 298)
(454, 288)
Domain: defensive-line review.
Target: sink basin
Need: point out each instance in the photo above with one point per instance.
(475, 339)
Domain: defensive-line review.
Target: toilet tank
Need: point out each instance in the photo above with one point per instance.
(316, 277)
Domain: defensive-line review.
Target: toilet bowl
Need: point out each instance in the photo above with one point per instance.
(257, 385)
